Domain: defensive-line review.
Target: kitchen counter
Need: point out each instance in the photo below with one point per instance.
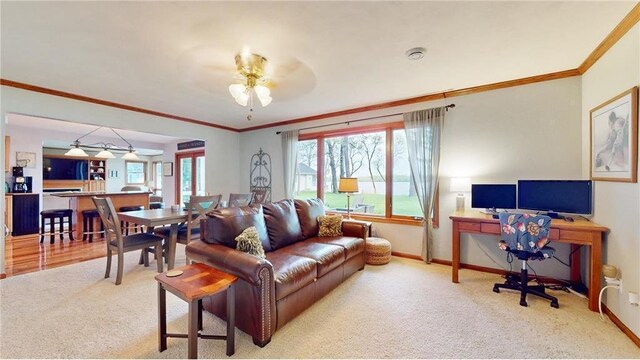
(81, 201)
(97, 193)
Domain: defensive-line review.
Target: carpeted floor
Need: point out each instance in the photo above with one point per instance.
(405, 309)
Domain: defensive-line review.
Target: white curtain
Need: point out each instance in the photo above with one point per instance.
(424, 132)
(289, 161)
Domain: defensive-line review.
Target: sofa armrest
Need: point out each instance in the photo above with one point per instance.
(246, 267)
(354, 229)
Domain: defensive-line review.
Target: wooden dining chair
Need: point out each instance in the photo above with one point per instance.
(120, 244)
(197, 209)
(239, 200)
(259, 196)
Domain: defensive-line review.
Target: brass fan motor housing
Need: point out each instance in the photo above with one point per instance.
(251, 66)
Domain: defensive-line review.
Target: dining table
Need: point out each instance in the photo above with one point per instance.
(159, 217)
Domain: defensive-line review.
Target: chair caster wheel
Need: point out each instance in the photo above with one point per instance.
(523, 303)
(496, 289)
(555, 305)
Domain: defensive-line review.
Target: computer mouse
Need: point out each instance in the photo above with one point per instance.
(568, 218)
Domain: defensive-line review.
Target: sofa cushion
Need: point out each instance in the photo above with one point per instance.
(224, 224)
(308, 212)
(352, 246)
(249, 241)
(328, 256)
(330, 225)
(291, 272)
(282, 223)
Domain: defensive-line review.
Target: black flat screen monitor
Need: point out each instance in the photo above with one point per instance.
(567, 196)
(493, 196)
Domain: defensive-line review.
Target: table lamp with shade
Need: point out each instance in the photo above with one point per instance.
(460, 186)
(348, 186)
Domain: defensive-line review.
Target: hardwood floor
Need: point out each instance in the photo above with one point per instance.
(25, 254)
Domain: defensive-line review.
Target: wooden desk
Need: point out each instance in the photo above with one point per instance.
(579, 232)
(81, 201)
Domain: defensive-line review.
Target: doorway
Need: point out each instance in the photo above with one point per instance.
(190, 170)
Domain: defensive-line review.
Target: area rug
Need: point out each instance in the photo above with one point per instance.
(405, 309)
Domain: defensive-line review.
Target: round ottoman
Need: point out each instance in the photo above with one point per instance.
(377, 251)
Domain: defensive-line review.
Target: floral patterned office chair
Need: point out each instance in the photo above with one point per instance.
(525, 236)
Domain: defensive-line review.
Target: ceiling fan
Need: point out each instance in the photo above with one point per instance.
(253, 81)
(282, 77)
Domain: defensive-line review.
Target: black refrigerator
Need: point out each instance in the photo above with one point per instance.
(26, 214)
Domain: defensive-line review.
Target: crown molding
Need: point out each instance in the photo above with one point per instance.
(43, 90)
(423, 98)
(614, 36)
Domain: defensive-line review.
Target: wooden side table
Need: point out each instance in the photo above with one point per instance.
(197, 282)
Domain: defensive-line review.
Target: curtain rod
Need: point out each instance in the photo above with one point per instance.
(358, 120)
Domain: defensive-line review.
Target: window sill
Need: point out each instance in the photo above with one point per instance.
(387, 220)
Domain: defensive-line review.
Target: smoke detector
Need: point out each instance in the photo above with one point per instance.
(415, 53)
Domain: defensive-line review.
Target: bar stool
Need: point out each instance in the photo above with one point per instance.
(88, 219)
(52, 215)
(125, 224)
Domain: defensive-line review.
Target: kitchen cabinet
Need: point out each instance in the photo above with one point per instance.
(26, 214)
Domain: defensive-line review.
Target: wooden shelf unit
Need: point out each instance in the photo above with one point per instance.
(96, 182)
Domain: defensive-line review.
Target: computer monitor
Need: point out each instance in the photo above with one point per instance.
(493, 196)
(554, 196)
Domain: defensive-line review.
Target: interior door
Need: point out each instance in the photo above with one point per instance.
(190, 171)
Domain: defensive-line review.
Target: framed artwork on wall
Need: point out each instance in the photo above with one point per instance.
(167, 169)
(614, 139)
(25, 159)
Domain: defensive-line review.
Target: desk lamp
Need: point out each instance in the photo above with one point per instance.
(460, 186)
(348, 186)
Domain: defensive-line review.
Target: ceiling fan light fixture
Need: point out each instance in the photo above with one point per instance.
(264, 94)
(252, 68)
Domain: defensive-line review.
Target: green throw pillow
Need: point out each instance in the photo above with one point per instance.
(330, 225)
(249, 242)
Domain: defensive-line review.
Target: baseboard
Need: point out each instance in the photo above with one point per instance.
(407, 256)
(614, 319)
(544, 279)
(621, 325)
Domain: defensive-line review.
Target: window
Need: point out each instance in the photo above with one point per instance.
(307, 181)
(157, 177)
(377, 155)
(361, 156)
(136, 172)
(404, 200)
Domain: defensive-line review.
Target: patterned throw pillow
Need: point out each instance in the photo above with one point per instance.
(330, 225)
(248, 241)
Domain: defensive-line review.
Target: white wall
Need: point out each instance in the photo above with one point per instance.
(31, 140)
(616, 204)
(525, 132)
(221, 145)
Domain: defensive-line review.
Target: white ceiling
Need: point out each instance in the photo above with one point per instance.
(177, 57)
(101, 134)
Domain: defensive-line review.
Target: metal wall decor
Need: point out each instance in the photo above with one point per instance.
(260, 173)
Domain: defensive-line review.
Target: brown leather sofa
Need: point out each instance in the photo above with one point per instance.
(299, 269)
